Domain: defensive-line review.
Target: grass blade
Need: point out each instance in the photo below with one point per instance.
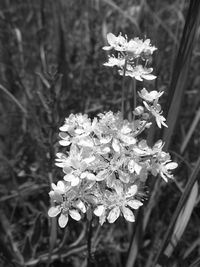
(191, 131)
(130, 18)
(14, 99)
(181, 68)
(193, 178)
(182, 220)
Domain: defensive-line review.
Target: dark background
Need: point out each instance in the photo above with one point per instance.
(51, 65)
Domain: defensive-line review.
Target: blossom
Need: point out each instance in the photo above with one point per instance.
(111, 169)
(118, 43)
(119, 202)
(150, 96)
(155, 110)
(113, 61)
(138, 72)
(77, 128)
(102, 176)
(129, 53)
(139, 110)
(137, 46)
(164, 167)
(75, 165)
(116, 131)
(66, 203)
(105, 164)
(104, 160)
(58, 191)
(134, 47)
(64, 215)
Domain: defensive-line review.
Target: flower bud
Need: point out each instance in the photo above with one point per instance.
(138, 111)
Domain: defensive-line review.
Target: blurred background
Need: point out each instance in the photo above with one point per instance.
(51, 65)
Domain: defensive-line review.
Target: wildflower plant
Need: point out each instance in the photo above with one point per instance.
(105, 160)
(132, 56)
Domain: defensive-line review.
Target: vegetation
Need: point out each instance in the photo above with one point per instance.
(52, 66)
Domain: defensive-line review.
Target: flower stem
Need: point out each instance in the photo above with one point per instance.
(89, 243)
(123, 89)
(134, 95)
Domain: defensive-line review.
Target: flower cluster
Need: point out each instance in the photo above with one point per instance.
(105, 161)
(104, 165)
(132, 56)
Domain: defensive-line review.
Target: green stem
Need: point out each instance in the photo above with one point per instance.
(89, 244)
(123, 88)
(134, 95)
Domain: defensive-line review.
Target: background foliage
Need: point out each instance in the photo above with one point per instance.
(50, 66)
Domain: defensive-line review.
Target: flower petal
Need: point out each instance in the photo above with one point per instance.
(124, 177)
(69, 177)
(63, 220)
(99, 210)
(75, 181)
(128, 214)
(55, 196)
(105, 140)
(113, 215)
(115, 145)
(81, 206)
(102, 175)
(149, 77)
(75, 215)
(107, 48)
(91, 176)
(132, 190)
(171, 165)
(61, 186)
(134, 204)
(54, 211)
(118, 186)
(64, 128)
(79, 131)
(111, 38)
(64, 142)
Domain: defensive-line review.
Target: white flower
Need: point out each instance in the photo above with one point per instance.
(63, 220)
(138, 111)
(64, 214)
(137, 46)
(75, 165)
(138, 72)
(61, 160)
(113, 61)
(166, 168)
(99, 210)
(123, 201)
(105, 164)
(116, 42)
(58, 191)
(133, 166)
(150, 96)
(155, 110)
